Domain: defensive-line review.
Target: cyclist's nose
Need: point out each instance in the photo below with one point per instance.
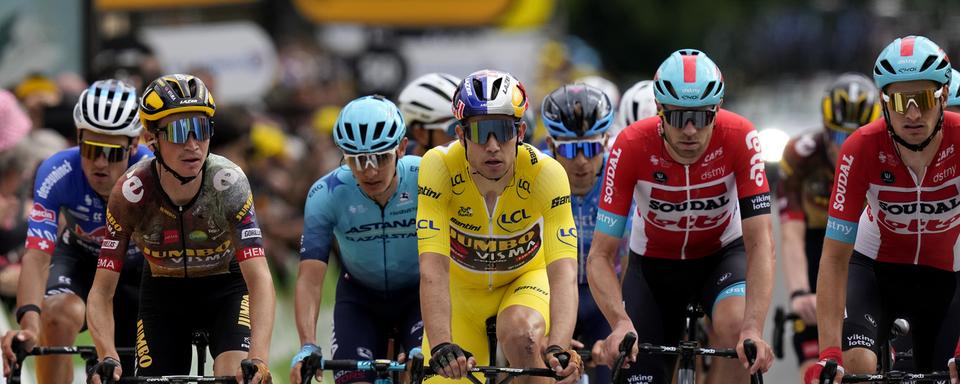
(492, 144)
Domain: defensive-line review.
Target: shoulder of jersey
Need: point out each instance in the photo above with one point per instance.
(225, 176)
(803, 146)
(641, 130)
(331, 182)
(731, 121)
(70, 155)
(409, 164)
(951, 123)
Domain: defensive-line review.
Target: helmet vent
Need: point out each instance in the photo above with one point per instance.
(887, 67)
(349, 131)
(421, 105)
(669, 86)
(478, 89)
(496, 87)
(378, 129)
(943, 64)
(436, 90)
(706, 91)
(927, 63)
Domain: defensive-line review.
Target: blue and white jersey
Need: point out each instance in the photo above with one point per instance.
(585, 210)
(62, 187)
(378, 246)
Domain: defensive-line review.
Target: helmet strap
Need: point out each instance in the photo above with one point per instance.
(904, 143)
(183, 179)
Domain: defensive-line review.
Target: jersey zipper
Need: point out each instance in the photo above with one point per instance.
(491, 238)
(686, 227)
(383, 241)
(916, 257)
(183, 241)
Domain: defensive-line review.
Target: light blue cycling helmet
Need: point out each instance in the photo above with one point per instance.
(954, 99)
(369, 124)
(688, 78)
(911, 58)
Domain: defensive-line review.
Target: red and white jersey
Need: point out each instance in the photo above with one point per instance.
(907, 219)
(683, 211)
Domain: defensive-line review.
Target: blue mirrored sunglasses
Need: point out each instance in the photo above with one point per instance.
(569, 149)
(178, 131)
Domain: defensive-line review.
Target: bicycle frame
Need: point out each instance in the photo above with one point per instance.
(315, 362)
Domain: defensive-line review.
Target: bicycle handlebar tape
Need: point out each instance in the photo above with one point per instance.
(416, 368)
(249, 369)
(829, 372)
(626, 345)
(104, 369)
(311, 364)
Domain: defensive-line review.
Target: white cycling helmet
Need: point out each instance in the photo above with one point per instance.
(638, 103)
(427, 99)
(606, 86)
(109, 107)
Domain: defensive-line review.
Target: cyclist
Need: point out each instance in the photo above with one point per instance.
(496, 238)
(953, 100)
(369, 207)
(902, 169)
(638, 103)
(75, 183)
(425, 104)
(577, 118)
(191, 213)
(804, 195)
(702, 227)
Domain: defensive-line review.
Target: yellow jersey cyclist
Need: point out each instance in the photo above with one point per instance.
(191, 213)
(496, 238)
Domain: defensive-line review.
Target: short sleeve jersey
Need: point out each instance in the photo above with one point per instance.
(907, 219)
(62, 187)
(806, 180)
(207, 236)
(683, 211)
(530, 226)
(378, 245)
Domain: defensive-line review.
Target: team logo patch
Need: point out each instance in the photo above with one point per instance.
(887, 177)
(496, 253)
(110, 244)
(250, 233)
(660, 177)
(41, 214)
(198, 235)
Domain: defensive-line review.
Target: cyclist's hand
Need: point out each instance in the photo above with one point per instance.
(297, 363)
(812, 375)
(806, 307)
(103, 368)
(451, 361)
(569, 374)
(611, 346)
(954, 375)
(576, 344)
(764, 353)
(29, 340)
(262, 376)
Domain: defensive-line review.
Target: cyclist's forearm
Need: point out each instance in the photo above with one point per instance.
(307, 299)
(604, 285)
(435, 298)
(795, 255)
(758, 242)
(832, 292)
(262, 308)
(33, 277)
(100, 312)
(563, 301)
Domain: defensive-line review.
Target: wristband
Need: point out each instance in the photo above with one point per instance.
(307, 350)
(799, 292)
(832, 353)
(26, 308)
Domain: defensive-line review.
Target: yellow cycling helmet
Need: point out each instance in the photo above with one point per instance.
(175, 93)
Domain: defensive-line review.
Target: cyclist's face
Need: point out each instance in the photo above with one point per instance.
(100, 172)
(917, 121)
(494, 158)
(581, 170)
(686, 143)
(375, 174)
(186, 158)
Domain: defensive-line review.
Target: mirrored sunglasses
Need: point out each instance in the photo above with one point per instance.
(569, 149)
(479, 131)
(178, 131)
(678, 118)
(924, 100)
(371, 160)
(93, 149)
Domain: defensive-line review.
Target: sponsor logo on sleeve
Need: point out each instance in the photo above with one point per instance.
(610, 175)
(53, 177)
(133, 189)
(845, 163)
(41, 214)
(428, 192)
(757, 173)
(225, 178)
(250, 233)
(558, 201)
(109, 244)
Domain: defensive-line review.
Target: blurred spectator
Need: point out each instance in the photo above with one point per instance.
(126, 59)
(15, 166)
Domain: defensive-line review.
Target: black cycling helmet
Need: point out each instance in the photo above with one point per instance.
(577, 110)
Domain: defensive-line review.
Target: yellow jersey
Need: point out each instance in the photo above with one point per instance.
(530, 227)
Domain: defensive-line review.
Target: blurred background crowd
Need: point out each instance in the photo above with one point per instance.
(281, 69)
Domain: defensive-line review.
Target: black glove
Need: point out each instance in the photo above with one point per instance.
(104, 368)
(444, 354)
